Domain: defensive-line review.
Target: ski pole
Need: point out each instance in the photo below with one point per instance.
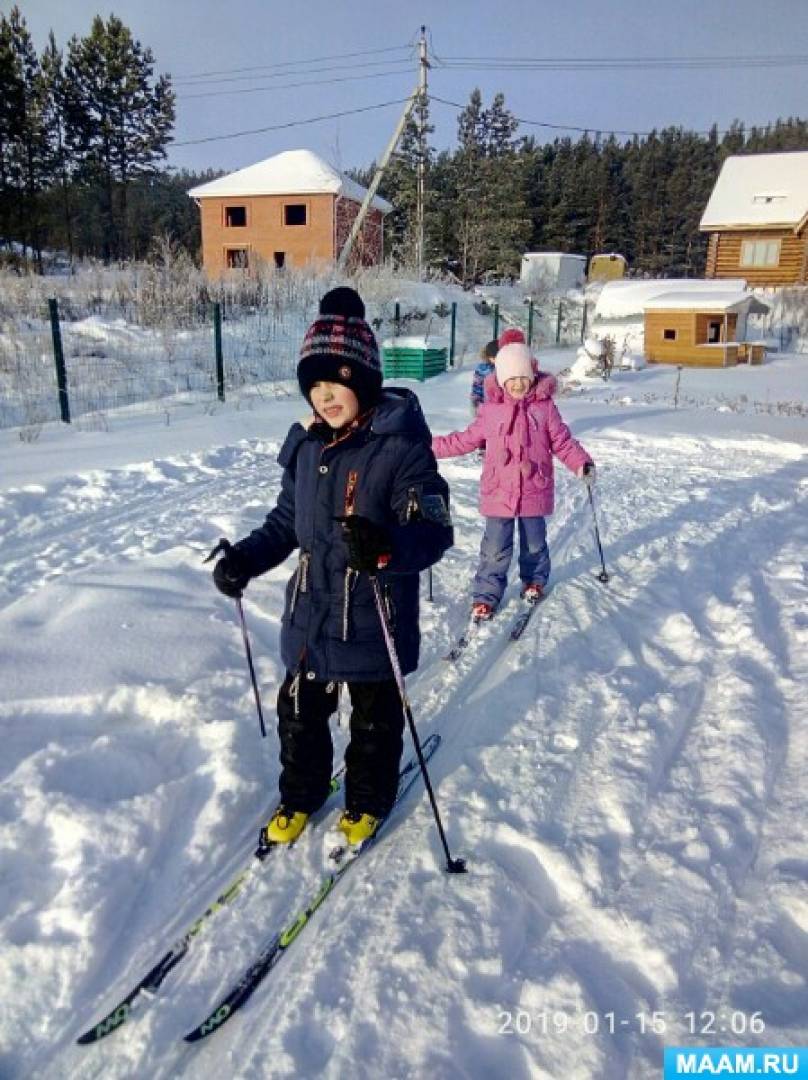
(248, 650)
(602, 576)
(454, 866)
(429, 595)
(224, 545)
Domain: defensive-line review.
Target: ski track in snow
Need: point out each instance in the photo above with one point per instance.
(624, 781)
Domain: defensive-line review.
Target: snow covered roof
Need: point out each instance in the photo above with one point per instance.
(552, 255)
(761, 190)
(624, 299)
(293, 172)
(708, 300)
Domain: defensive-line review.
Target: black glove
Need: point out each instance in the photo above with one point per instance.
(588, 474)
(230, 574)
(369, 545)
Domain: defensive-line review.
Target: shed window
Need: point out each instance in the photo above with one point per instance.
(235, 217)
(713, 333)
(760, 253)
(294, 214)
(669, 335)
(280, 259)
(237, 258)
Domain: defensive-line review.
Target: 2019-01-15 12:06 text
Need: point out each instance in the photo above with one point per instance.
(731, 1022)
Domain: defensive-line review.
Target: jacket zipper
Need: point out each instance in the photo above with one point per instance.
(301, 579)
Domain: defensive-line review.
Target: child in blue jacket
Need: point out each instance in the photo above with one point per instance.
(511, 336)
(360, 496)
(481, 372)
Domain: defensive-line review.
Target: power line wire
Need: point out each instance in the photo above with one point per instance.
(287, 74)
(592, 128)
(290, 63)
(290, 124)
(617, 63)
(289, 86)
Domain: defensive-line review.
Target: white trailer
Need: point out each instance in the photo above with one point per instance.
(552, 270)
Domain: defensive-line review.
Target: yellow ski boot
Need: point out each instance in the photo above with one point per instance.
(284, 826)
(357, 828)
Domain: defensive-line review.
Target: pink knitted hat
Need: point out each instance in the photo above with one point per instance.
(512, 362)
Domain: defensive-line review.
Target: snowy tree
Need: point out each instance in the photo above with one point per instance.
(492, 222)
(24, 149)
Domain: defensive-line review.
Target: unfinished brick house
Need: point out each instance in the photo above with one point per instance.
(289, 210)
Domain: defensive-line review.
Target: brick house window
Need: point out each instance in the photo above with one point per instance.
(760, 253)
(669, 335)
(294, 214)
(237, 258)
(235, 217)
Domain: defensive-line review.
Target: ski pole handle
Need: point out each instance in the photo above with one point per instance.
(223, 547)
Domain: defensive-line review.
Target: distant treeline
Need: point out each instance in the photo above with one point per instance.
(498, 195)
(84, 132)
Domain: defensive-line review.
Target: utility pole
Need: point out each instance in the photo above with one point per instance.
(374, 184)
(417, 100)
(421, 173)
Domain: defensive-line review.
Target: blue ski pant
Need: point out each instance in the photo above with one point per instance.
(496, 552)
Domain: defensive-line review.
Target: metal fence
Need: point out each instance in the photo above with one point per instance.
(57, 369)
(69, 361)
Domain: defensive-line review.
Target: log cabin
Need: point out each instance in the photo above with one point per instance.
(757, 220)
(701, 328)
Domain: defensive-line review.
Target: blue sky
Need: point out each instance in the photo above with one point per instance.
(192, 39)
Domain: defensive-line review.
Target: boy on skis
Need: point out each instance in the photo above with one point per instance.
(521, 429)
(360, 496)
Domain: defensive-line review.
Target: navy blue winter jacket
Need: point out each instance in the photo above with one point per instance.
(386, 468)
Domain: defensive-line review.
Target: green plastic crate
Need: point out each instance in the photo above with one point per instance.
(408, 362)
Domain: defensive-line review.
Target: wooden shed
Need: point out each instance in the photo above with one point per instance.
(606, 266)
(289, 210)
(701, 329)
(757, 218)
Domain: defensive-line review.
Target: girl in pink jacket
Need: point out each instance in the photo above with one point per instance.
(521, 429)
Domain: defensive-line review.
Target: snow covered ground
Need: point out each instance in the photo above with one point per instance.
(627, 782)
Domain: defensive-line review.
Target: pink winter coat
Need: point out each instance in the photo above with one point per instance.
(520, 439)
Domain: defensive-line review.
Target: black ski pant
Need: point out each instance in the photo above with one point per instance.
(372, 758)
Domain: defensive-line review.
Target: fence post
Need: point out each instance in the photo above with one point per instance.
(558, 323)
(59, 359)
(583, 324)
(530, 322)
(496, 321)
(217, 346)
(453, 334)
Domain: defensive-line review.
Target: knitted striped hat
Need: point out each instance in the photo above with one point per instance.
(340, 347)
